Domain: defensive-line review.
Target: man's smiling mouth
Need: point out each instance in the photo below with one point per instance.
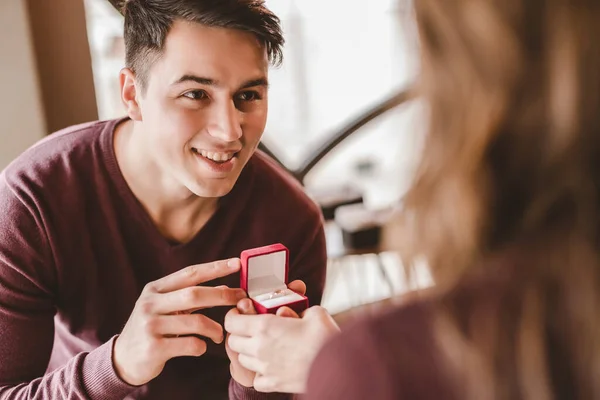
(218, 157)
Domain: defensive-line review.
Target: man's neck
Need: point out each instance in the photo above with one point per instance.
(177, 213)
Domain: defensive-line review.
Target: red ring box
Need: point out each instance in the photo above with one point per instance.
(264, 277)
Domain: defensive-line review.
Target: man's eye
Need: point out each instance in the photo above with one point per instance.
(195, 94)
(249, 96)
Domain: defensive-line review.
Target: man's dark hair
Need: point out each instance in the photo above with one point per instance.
(147, 23)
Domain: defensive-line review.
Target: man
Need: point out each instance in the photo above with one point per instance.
(109, 230)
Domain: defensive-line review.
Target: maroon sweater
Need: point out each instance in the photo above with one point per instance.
(408, 352)
(388, 357)
(76, 249)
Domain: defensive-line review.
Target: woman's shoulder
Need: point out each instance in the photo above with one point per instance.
(386, 356)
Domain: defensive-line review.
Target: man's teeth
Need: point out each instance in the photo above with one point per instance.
(219, 157)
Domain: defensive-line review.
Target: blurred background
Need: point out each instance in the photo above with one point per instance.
(342, 117)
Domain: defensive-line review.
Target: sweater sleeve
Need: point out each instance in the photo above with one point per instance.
(28, 292)
(240, 392)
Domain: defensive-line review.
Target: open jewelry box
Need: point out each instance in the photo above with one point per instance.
(264, 276)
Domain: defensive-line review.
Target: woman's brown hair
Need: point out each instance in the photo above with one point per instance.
(510, 183)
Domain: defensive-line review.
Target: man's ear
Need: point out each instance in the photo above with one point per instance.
(130, 92)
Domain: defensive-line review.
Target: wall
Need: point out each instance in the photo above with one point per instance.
(21, 110)
(64, 62)
(45, 71)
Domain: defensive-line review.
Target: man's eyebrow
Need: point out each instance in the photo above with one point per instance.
(212, 82)
(198, 79)
(255, 82)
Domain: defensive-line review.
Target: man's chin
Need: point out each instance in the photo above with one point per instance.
(212, 190)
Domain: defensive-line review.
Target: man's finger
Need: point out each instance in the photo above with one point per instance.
(233, 356)
(194, 275)
(245, 325)
(182, 346)
(190, 324)
(287, 312)
(264, 384)
(228, 350)
(298, 286)
(242, 345)
(195, 298)
(246, 307)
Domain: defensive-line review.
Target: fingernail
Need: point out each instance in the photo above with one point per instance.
(233, 263)
(240, 294)
(245, 305)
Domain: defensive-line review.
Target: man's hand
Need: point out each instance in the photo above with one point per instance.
(242, 375)
(279, 350)
(162, 325)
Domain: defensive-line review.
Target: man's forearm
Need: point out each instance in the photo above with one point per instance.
(86, 376)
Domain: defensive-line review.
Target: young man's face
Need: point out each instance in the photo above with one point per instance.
(205, 106)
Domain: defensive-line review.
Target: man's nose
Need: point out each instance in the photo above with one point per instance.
(225, 122)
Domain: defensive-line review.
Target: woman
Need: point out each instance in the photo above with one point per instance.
(505, 209)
